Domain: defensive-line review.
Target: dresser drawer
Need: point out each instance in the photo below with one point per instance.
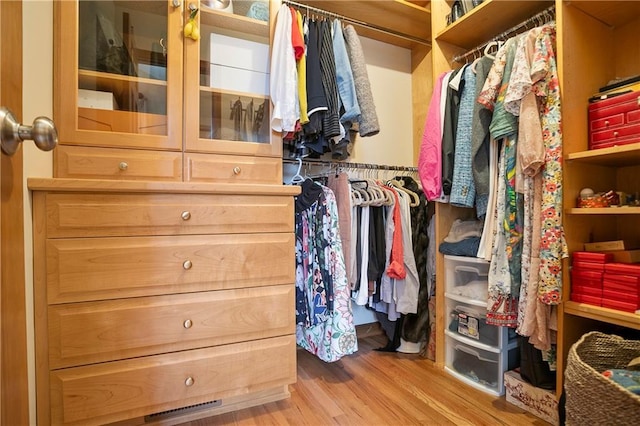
(109, 392)
(94, 215)
(84, 269)
(102, 163)
(232, 169)
(86, 333)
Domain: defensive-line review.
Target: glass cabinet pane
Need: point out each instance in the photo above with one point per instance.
(122, 66)
(233, 114)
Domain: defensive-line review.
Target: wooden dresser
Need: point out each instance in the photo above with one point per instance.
(166, 300)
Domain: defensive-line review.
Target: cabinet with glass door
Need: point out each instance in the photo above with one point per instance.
(227, 105)
(138, 97)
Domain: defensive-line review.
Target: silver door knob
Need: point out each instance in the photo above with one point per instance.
(43, 132)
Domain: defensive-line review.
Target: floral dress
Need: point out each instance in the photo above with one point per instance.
(553, 246)
(324, 320)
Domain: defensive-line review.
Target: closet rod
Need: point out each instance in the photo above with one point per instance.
(344, 165)
(539, 18)
(357, 22)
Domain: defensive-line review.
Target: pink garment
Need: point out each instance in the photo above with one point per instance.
(430, 158)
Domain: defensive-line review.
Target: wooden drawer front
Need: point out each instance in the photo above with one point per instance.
(108, 268)
(101, 163)
(109, 392)
(86, 333)
(93, 215)
(232, 169)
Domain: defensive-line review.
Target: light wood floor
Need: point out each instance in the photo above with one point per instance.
(377, 388)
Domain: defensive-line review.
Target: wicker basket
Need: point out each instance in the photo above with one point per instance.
(591, 398)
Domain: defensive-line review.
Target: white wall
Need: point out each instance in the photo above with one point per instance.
(389, 70)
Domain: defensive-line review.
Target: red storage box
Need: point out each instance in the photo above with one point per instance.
(589, 266)
(621, 296)
(592, 256)
(620, 306)
(618, 287)
(614, 121)
(623, 269)
(583, 298)
(586, 278)
(587, 291)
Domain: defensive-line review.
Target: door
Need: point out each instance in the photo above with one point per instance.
(14, 398)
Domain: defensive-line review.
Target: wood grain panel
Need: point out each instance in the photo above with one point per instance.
(90, 215)
(109, 392)
(109, 268)
(14, 386)
(86, 333)
(232, 169)
(111, 163)
(397, 16)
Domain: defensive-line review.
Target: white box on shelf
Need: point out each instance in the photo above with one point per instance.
(239, 53)
(239, 80)
(96, 100)
(541, 403)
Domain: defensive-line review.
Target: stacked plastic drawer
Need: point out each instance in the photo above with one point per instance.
(475, 352)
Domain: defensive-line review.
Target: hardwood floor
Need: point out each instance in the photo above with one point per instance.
(377, 388)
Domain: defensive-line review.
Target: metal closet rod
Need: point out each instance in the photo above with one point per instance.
(357, 22)
(341, 164)
(516, 29)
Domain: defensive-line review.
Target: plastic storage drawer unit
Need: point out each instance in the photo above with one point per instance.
(466, 278)
(481, 368)
(471, 321)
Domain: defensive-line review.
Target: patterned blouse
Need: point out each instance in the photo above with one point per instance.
(324, 320)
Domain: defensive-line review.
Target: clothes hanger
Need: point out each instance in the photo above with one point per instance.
(415, 199)
(488, 47)
(364, 195)
(388, 193)
(297, 178)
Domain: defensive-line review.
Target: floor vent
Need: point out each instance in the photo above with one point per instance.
(182, 411)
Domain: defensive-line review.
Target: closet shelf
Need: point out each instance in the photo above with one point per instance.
(616, 156)
(237, 23)
(489, 18)
(613, 13)
(624, 319)
(604, 210)
(398, 16)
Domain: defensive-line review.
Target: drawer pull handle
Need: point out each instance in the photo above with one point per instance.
(185, 215)
(187, 264)
(606, 123)
(615, 134)
(189, 381)
(187, 323)
(237, 170)
(123, 165)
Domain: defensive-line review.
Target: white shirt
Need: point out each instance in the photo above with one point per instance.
(284, 76)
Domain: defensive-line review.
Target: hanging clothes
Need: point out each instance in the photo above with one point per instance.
(369, 118)
(416, 327)
(324, 320)
(283, 76)
(430, 158)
